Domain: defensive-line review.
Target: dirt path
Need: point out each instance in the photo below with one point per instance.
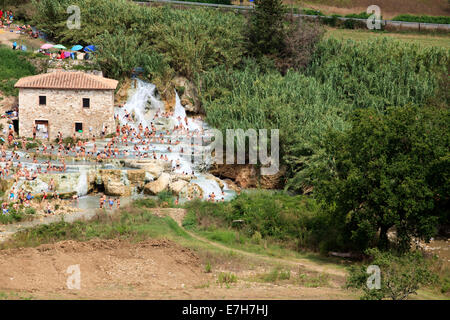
(178, 216)
(7, 37)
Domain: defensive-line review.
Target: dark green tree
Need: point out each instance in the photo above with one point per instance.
(400, 275)
(265, 31)
(388, 170)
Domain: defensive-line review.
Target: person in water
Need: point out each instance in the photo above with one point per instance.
(111, 203)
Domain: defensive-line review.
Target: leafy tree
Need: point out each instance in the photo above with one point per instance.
(265, 31)
(400, 275)
(388, 170)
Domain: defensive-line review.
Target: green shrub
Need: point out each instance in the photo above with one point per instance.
(445, 286)
(146, 203)
(312, 12)
(31, 145)
(423, 19)
(226, 278)
(257, 237)
(332, 21)
(362, 15)
(31, 210)
(208, 267)
(134, 225)
(180, 90)
(350, 24)
(313, 281)
(11, 217)
(277, 274)
(166, 197)
(400, 276)
(265, 215)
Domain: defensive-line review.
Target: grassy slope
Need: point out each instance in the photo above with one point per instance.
(438, 40)
(388, 8)
(13, 66)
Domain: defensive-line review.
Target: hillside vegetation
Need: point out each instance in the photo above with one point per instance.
(13, 66)
(363, 125)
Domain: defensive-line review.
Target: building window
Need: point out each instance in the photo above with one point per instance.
(42, 100)
(86, 102)
(78, 127)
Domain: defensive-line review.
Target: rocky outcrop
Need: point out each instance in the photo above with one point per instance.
(180, 176)
(137, 177)
(122, 94)
(244, 175)
(158, 185)
(231, 185)
(152, 167)
(169, 102)
(188, 94)
(248, 176)
(115, 188)
(212, 177)
(115, 182)
(7, 102)
(177, 186)
(274, 181)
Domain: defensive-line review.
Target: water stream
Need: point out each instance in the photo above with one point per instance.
(189, 155)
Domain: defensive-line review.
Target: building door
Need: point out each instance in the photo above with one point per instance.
(42, 129)
(16, 125)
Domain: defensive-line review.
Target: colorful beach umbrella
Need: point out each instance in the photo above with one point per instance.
(76, 47)
(90, 48)
(59, 46)
(46, 46)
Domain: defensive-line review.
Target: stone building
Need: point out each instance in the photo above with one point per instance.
(66, 102)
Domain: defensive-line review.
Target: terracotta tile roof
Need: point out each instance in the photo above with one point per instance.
(67, 80)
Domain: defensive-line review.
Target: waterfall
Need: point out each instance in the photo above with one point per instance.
(138, 103)
(181, 112)
(82, 184)
(208, 186)
(145, 105)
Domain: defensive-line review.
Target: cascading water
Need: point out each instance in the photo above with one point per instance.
(145, 108)
(142, 100)
(82, 184)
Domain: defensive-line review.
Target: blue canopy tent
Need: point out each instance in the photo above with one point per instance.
(90, 48)
(76, 48)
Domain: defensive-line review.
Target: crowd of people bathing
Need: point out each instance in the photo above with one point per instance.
(6, 18)
(138, 142)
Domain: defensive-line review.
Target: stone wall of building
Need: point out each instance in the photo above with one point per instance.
(64, 108)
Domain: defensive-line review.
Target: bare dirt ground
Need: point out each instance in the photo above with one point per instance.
(117, 269)
(7, 37)
(157, 269)
(163, 269)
